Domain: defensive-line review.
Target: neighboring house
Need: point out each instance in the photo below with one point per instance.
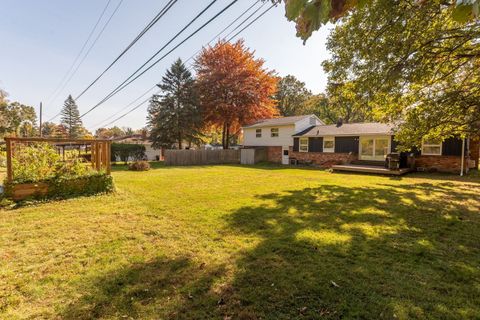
(276, 135)
(150, 153)
(327, 145)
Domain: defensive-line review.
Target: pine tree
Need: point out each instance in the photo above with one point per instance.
(174, 116)
(70, 118)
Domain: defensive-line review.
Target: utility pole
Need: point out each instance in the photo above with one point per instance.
(41, 111)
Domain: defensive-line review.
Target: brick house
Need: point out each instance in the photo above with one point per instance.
(276, 135)
(327, 145)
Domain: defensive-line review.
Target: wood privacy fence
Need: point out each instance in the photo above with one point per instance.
(199, 157)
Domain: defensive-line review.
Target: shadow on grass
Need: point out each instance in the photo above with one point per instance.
(170, 287)
(330, 252)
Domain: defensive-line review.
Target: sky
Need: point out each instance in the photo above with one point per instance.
(41, 40)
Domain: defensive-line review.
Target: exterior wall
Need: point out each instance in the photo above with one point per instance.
(284, 137)
(439, 163)
(324, 159)
(151, 153)
(274, 154)
(475, 150)
(307, 122)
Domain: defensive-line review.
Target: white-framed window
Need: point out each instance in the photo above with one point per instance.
(258, 133)
(431, 148)
(329, 144)
(303, 145)
(274, 132)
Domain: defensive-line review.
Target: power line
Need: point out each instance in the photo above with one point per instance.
(245, 20)
(80, 52)
(248, 25)
(126, 113)
(251, 22)
(127, 82)
(101, 124)
(224, 29)
(93, 44)
(86, 54)
(159, 15)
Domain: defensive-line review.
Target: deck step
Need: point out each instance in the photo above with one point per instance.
(369, 163)
(370, 169)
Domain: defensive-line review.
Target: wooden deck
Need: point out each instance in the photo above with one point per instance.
(370, 169)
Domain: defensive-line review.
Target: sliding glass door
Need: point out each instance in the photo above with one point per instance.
(374, 148)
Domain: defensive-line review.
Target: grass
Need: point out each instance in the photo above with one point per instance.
(233, 242)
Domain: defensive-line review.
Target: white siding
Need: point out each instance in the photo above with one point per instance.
(284, 137)
(307, 122)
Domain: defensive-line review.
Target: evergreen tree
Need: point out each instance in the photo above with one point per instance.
(70, 119)
(174, 116)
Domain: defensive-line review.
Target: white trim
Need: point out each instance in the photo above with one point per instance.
(271, 132)
(432, 145)
(300, 144)
(328, 150)
(373, 157)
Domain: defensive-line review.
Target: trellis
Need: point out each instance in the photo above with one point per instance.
(100, 151)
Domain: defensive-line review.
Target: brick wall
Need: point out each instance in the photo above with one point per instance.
(324, 159)
(274, 154)
(475, 150)
(439, 163)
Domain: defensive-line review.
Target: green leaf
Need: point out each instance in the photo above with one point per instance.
(462, 13)
(293, 8)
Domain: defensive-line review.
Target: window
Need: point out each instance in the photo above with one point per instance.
(303, 145)
(258, 133)
(431, 148)
(329, 144)
(274, 132)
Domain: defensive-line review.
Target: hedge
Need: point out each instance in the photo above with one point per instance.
(67, 187)
(126, 151)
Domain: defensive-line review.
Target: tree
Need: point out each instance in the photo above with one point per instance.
(411, 63)
(234, 87)
(291, 96)
(174, 116)
(70, 118)
(16, 118)
(49, 129)
(109, 133)
(309, 16)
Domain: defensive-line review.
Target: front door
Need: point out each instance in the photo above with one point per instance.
(374, 148)
(285, 155)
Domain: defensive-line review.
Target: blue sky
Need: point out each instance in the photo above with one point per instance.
(42, 38)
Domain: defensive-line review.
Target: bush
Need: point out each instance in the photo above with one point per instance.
(127, 151)
(67, 187)
(139, 166)
(35, 162)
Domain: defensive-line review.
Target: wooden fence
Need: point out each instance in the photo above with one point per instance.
(199, 157)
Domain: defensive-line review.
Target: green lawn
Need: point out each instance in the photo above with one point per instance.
(232, 242)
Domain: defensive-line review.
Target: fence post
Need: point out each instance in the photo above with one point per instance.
(9, 160)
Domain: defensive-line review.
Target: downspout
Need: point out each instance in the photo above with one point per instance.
(463, 157)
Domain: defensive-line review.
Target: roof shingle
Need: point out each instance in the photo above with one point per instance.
(283, 121)
(349, 129)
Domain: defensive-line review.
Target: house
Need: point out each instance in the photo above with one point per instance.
(276, 135)
(370, 143)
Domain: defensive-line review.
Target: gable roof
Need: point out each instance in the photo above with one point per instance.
(283, 121)
(348, 129)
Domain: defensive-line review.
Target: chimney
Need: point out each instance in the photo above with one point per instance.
(339, 122)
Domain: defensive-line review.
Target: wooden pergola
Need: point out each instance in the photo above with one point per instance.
(100, 151)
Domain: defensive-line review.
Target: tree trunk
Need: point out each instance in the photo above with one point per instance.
(223, 135)
(227, 136)
(179, 142)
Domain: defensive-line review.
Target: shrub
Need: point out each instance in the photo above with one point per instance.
(35, 162)
(3, 159)
(139, 166)
(67, 187)
(127, 151)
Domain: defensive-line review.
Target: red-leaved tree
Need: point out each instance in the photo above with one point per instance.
(234, 88)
